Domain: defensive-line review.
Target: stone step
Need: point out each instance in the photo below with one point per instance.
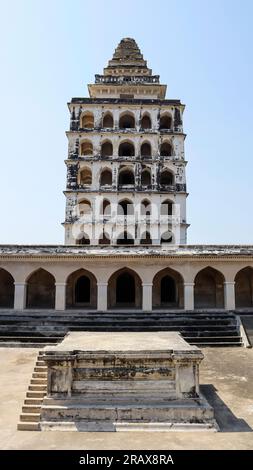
(35, 394)
(28, 426)
(39, 381)
(40, 369)
(37, 388)
(31, 408)
(16, 344)
(30, 417)
(39, 375)
(33, 401)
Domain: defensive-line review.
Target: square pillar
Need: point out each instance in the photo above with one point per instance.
(147, 296)
(229, 295)
(102, 295)
(60, 295)
(20, 295)
(189, 295)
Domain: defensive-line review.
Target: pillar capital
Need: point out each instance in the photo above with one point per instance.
(189, 284)
(232, 283)
(60, 283)
(20, 283)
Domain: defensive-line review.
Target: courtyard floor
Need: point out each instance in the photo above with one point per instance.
(226, 380)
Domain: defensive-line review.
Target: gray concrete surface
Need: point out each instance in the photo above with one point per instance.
(226, 378)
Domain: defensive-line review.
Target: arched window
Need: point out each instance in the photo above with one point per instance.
(87, 121)
(146, 122)
(106, 207)
(84, 207)
(126, 177)
(125, 239)
(146, 149)
(146, 239)
(86, 148)
(167, 237)
(108, 121)
(146, 177)
(85, 176)
(106, 149)
(106, 177)
(166, 149)
(124, 289)
(81, 290)
(127, 121)
(165, 122)
(168, 289)
(126, 149)
(166, 208)
(125, 207)
(145, 208)
(166, 178)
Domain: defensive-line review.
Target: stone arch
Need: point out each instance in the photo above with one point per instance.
(209, 288)
(81, 289)
(126, 176)
(105, 207)
(40, 289)
(167, 207)
(6, 289)
(104, 239)
(166, 149)
(166, 177)
(125, 207)
(244, 288)
(106, 149)
(125, 238)
(85, 176)
(84, 207)
(168, 289)
(106, 177)
(146, 177)
(126, 149)
(146, 238)
(108, 120)
(86, 147)
(146, 121)
(124, 289)
(165, 121)
(168, 237)
(145, 207)
(146, 149)
(87, 120)
(127, 120)
(83, 239)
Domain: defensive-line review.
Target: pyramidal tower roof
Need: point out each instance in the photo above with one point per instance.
(127, 73)
(127, 54)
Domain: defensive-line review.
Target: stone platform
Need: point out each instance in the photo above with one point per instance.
(124, 381)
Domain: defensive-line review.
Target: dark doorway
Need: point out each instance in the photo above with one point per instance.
(168, 290)
(125, 289)
(82, 290)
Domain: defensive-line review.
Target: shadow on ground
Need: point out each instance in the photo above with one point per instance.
(226, 420)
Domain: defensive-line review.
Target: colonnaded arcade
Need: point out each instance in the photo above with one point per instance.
(125, 225)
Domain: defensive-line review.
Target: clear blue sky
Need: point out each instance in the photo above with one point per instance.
(51, 49)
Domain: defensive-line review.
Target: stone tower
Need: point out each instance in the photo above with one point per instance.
(126, 168)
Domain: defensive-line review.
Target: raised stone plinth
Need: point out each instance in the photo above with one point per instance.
(124, 381)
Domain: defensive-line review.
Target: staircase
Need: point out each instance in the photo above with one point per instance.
(40, 328)
(30, 416)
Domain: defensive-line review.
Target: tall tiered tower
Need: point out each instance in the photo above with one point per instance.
(126, 168)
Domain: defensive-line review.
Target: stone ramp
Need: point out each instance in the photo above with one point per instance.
(39, 328)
